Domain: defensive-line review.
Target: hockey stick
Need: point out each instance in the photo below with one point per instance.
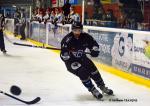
(15, 43)
(51, 48)
(36, 46)
(37, 99)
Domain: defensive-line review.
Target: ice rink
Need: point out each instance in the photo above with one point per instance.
(40, 72)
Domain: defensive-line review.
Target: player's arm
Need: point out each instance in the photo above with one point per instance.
(65, 53)
(93, 46)
(67, 57)
(3, 23)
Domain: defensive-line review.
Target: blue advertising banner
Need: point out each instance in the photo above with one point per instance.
(105, 41)
(116, 48)
(140, 70)
(72, 2)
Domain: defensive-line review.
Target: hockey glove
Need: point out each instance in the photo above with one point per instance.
(94, 52)
(65, 56)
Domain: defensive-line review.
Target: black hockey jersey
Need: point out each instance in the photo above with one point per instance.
(73, 49)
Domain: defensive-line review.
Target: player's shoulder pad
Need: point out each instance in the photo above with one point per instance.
(67, 38)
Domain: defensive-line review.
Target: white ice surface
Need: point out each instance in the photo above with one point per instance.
(40, 72)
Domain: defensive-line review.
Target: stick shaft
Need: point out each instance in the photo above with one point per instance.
(26, 102)
(51, 48)
(36, 46)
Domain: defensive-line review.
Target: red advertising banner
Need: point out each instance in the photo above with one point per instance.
(54, 3)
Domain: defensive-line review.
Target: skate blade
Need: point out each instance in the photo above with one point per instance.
(4, 53)
(105, 94)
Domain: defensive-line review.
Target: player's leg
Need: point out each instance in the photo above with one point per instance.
(86, 81)
(96, 76)
(82, 73)
(2, 45)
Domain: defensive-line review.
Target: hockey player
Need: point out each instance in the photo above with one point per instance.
(73, 54)
(2, 45)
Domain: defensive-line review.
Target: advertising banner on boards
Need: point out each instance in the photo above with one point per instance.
(42, 33)
(34, 32)
(105, 41)
(122, 51)
(56, 34)
(115, 48)
(141, 55)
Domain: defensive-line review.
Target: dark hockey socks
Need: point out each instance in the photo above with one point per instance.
(88, 84)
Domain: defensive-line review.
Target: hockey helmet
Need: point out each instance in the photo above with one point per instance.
(77, 25)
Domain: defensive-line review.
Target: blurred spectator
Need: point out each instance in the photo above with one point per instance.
(86, 16)
(52, 16)
(110, 16)
(121, 21)
(23, 25)
(17, 17)
(132, 11)
(66, 8)
(34, 15)
(39, 15)
(73, 16)
(17, 14)
(98, 14)
(2, 24)
(58, 16)
(47, 15)
(127, 24)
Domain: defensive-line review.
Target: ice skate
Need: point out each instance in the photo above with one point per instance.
(96, 93)
(4, 51)
(106, 90)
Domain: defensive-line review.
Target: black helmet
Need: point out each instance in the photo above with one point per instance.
(77, 25)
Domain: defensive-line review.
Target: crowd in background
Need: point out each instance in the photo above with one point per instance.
(64, 15)
(131, 16)
(126, 14)
(55, 16)
(20, 23)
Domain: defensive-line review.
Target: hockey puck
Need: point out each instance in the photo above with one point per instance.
(15, 90)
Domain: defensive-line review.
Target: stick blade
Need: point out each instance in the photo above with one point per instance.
(34, 101)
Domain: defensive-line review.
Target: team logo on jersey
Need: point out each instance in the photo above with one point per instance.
(75, 65)
(78, 53)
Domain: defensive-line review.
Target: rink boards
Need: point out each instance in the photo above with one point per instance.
(123, 52)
